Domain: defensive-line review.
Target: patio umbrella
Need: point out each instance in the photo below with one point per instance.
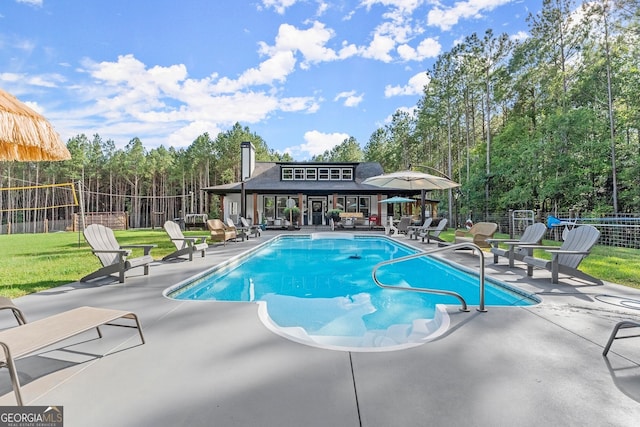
(412, 180)
(26, 135)
(397, 200)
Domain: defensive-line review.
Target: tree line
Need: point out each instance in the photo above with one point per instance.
(551, 122)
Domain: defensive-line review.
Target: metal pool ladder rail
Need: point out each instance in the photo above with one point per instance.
(465, 245)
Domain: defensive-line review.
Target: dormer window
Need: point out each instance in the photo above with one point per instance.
(316, 173)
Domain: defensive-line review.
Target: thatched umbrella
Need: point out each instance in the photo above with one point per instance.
(25, 135)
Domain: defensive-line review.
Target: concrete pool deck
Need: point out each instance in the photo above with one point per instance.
(215, 364)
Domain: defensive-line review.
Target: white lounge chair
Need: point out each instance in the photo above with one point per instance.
(114, 258)
(414, 230)
(434, 232)
(532, 235)
(566, 258)
(184, 245)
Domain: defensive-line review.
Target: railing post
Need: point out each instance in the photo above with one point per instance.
(481, 306)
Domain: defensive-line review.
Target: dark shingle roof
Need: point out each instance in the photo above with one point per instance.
(266, 179)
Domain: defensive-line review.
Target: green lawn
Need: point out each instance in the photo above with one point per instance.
(35, 262)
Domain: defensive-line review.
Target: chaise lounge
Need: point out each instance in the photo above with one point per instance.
(29, 338)
(113, 257)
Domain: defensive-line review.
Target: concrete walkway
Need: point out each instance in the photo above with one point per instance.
(215, 364)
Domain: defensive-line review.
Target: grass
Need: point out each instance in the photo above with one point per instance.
(35, 262)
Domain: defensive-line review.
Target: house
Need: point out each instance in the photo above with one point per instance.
(268, 188)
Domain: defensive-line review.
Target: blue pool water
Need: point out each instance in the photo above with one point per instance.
(319, 291)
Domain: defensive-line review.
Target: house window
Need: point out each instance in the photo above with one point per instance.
(287, 174)
(335, 174)
(352, 204)
(281, 205)
(347, 174)
(364, 205)
(269, 208)
(323, 174)
(311, 174)
(298, 174)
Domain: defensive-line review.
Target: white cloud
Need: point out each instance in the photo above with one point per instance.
(311, 43)
(415, 86)
(519, 36)
(127, 91)
(276, 68)
(316, 143)
(411, 111)
(405, 6)
(350, 98)
(428, 48)
(31, 2)
(185, 136)
(445, 18)
(304, 104)
(279, 6)
(379, 48)
(322, 8)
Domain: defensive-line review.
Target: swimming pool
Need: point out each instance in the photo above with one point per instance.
(317, 289)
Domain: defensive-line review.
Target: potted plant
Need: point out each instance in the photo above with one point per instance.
(292, 214)
(334, 214)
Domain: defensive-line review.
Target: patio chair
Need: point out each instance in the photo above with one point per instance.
(532, 235)
(113, 257)
(477, 234)
(239, 230)
(7, 304)
(434, 232)
(389, 227)
(184, 245)
(566, 258)
(414, 230)
(255, 230)
(220, 232)
(400, 227)
(625, 324)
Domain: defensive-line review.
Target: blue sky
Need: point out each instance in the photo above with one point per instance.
(302, 74)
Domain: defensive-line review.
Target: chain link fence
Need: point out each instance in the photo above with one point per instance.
(621, 230)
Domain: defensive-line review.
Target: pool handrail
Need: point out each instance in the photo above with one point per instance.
(464, 245)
